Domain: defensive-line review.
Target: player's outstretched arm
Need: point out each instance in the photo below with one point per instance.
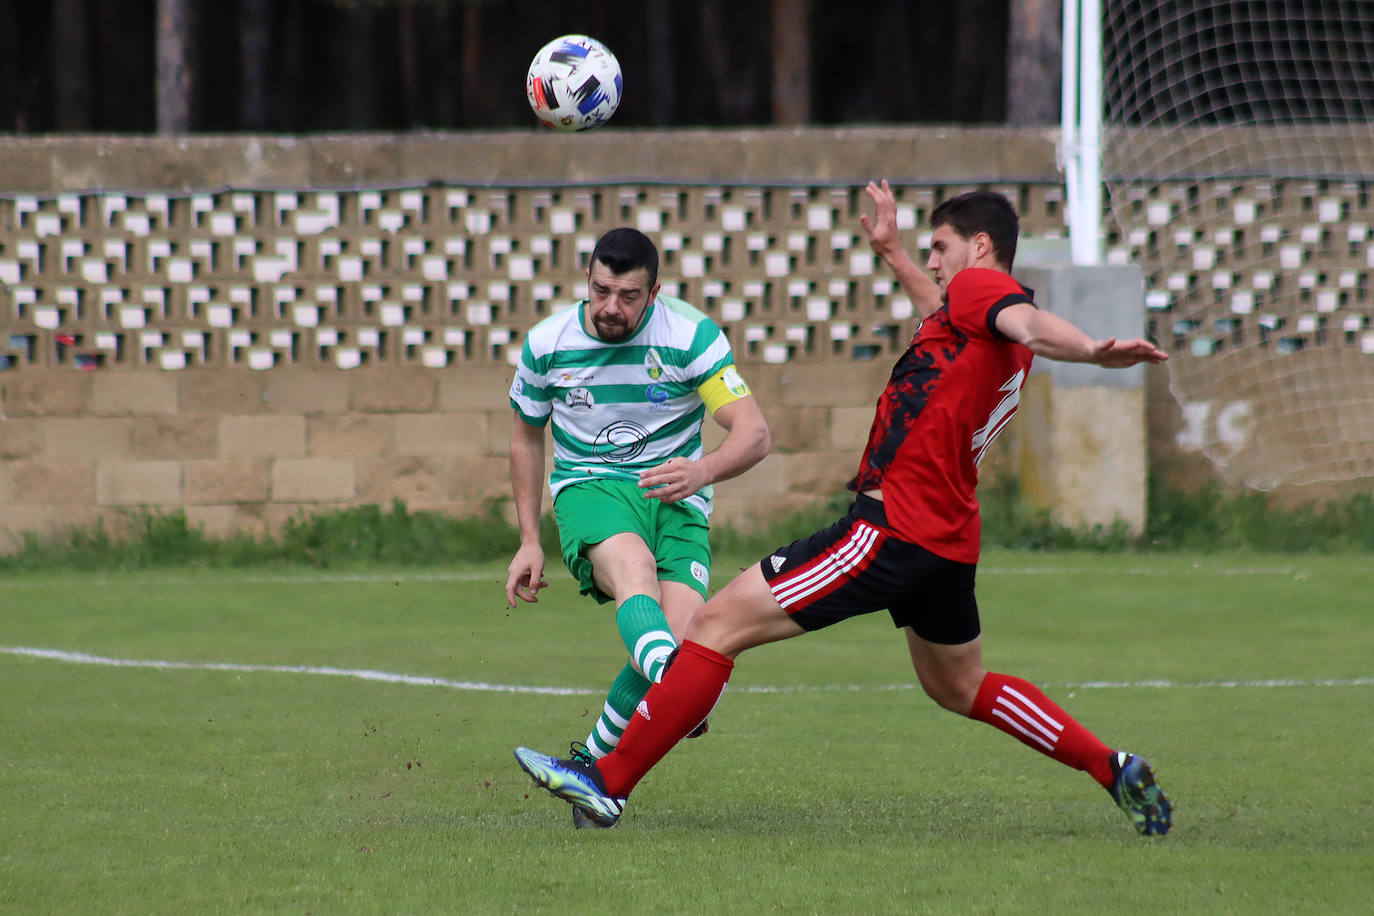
(881, 229)
(1052, 337)
(525, 575)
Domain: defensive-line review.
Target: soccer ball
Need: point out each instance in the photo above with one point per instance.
(574, 83)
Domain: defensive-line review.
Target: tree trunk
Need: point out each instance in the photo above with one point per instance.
(1034, 53)
(255, 48)
(173, 66)
(358, 83)
(791, 62)
(662, 75)
(71, 66)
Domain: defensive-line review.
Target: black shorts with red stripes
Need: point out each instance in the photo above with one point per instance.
(856, 566)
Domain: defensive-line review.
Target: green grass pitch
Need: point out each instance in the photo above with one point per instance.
(243, 779)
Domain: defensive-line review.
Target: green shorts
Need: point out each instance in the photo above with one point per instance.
(588, 513)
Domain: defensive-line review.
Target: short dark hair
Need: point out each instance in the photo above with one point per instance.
(625, 249)
(982, 211)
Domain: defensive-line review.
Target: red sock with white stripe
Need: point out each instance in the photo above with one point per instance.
(1022, 710)
(669, 711)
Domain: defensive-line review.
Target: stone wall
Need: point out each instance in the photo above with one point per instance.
(249, 327)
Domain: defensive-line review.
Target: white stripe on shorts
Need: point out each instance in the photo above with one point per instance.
(808, 580)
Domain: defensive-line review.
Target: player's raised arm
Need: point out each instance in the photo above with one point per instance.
(1052, 337)
(883, 238)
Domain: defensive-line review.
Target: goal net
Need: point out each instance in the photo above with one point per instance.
(1238, 156)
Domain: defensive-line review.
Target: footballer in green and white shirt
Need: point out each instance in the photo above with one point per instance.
(621, 408)
(627, 377)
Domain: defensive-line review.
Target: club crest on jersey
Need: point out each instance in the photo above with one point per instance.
(580, 399)
(701, 574)
(734, 382)
(653, 365)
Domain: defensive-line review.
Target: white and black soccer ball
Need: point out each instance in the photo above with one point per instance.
(574, 83)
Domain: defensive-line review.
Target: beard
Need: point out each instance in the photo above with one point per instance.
(611, 331)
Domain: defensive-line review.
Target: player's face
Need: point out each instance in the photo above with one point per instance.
(950, 253)
(616, 302)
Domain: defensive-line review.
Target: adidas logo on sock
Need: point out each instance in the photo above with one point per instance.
(777, 562)
(643, 710)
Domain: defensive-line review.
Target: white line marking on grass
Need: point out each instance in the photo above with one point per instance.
(287, 579)
(355, 578)
(1138, 571)
(365, 674)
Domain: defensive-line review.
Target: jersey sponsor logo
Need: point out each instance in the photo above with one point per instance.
(701, 574)
(620, 442)
(734, 382)
(653, 365)
(656, 394)
(643, 710)
(575, 378)
(580, 399)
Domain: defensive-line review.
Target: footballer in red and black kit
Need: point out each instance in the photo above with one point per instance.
(939, 413)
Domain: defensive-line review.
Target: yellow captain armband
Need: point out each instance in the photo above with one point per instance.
(722, 388)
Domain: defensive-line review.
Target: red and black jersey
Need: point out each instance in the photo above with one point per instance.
(950, 394)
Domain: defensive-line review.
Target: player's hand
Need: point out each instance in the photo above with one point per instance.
(673, 480)
(1119, 354)
(881, 228)
(526, 575)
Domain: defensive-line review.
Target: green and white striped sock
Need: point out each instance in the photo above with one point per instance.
(626, 691)
(645, 632)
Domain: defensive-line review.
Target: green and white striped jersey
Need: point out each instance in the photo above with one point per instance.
(620, 408)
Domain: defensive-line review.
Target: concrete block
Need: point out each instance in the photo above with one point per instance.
(262, 437)
(457, 433)
(483, 478)
(344, 161)
(415, 480)
(498, 432)
(214, 521)
(818, 472)
(20, 438)
(849, 429)
(475, 388)
(44, 393)
(228, 481)
(88, 439)
(765, 477)
(799, 429)
(308, 391)
(134, 394)
(48, 483)
(395, 390)
(138, 483)
(47, 522)
(834, 384)
(222, 392)
(1098, 440)
(173, 437)
(313, 480)
(350, 435)
(1102, 301)
(28, 167)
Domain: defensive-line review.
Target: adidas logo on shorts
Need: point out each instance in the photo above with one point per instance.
(777, 562)
(643, 710)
